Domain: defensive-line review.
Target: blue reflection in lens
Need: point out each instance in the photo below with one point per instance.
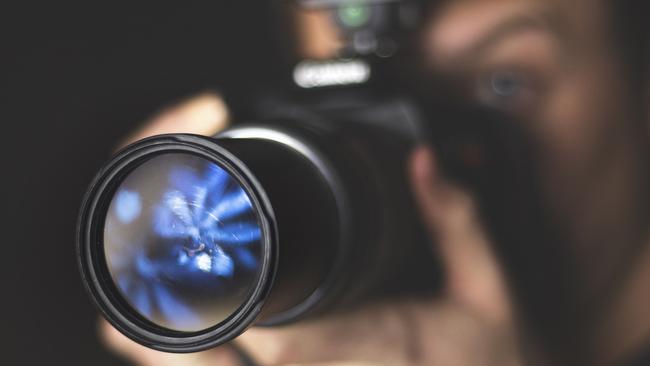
(127, 205)
(187, 262)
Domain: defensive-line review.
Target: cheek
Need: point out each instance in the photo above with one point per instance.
(570, 124)
(583, 132)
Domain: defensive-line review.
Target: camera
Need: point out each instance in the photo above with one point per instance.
(300, 209)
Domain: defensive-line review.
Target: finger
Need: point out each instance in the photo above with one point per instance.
(396, 334)
(381, 334)
(204, 114)
(334, 364)
(474, 277)
(143, 356)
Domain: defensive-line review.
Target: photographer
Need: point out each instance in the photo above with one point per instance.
(566, 72)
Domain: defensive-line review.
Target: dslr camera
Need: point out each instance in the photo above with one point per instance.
(301, 208)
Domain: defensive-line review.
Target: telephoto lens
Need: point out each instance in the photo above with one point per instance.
(185, 241)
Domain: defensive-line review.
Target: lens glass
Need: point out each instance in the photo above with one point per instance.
(183, 242)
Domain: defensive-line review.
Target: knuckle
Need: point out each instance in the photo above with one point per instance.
(271, 349)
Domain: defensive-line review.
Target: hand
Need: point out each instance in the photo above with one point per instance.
(471, 324)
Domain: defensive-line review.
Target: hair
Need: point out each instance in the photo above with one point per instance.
(632, 40)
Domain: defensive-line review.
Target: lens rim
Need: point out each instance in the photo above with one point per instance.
(91, 257)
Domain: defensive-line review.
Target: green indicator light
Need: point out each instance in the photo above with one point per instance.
(354, 15)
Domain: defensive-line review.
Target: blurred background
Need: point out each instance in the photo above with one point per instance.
(75, 78)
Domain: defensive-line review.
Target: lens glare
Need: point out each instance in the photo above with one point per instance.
(182, 242)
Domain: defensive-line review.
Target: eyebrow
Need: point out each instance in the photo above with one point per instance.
(512, 26)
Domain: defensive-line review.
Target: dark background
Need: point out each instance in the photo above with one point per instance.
(74, 79)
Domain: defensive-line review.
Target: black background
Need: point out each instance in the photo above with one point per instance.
(74, 79)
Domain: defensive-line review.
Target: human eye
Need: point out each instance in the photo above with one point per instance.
(517, 75)
(509, 88)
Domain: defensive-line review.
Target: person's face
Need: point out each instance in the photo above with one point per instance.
(552, 64)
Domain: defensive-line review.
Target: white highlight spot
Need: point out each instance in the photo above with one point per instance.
(311, 74)
(204, 262)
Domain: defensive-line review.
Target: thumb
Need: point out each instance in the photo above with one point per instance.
(474, 276)
(202, 114)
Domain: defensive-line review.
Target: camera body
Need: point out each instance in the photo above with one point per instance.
(358, 144)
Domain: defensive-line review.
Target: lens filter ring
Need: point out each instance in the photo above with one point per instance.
(132, 299)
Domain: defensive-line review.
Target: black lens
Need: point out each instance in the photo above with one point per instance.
(179, 238)
(182, 242)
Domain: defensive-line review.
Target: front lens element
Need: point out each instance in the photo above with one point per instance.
(182, 242)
